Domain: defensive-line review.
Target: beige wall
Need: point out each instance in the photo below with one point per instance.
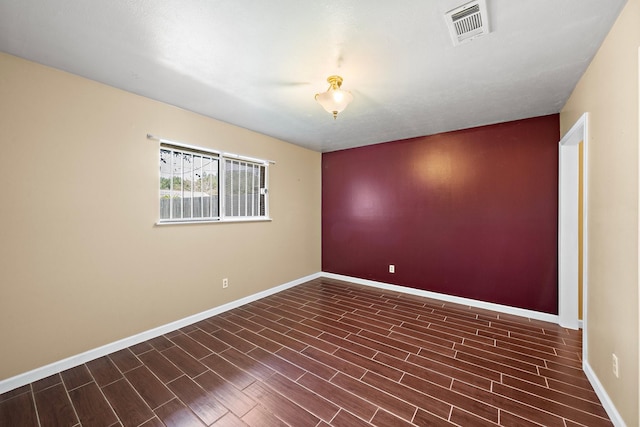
(609, 92)
(81, 262)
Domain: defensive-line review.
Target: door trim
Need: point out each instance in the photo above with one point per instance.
(568, 181)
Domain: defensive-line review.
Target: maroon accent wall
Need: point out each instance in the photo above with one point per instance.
(471, 213)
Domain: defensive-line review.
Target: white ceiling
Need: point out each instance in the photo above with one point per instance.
(258, 64)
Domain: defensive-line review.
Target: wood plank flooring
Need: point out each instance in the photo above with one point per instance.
(328, 353)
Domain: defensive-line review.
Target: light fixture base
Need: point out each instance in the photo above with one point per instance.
(335, 81)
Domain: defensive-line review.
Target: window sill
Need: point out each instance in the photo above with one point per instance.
(214, 221)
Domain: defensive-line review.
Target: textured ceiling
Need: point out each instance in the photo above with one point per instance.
(258, 64)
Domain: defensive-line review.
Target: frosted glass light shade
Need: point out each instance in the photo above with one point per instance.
(334, 100)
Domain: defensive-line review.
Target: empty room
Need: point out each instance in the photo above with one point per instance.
(297, 213)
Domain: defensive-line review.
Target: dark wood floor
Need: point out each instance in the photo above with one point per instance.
(328, 353)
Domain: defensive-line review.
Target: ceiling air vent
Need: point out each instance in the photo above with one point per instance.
(468, 22)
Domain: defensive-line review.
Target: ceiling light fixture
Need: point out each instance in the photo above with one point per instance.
(334, 100)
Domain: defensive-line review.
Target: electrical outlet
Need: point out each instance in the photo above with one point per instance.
(614, 359)
(225, 283)
(392, 268)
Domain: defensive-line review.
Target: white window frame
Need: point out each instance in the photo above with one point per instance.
(247, 214)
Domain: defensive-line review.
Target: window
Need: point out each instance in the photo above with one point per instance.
(199, 185)
(245, 191)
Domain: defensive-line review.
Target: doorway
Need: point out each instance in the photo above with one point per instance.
(572, 233)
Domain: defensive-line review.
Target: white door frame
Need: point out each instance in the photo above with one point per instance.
(568, 181)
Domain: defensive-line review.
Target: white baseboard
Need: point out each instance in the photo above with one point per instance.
(608, 405)
(73, 361)
(553, 318)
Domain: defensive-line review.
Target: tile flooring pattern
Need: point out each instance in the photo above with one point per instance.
(328, 353)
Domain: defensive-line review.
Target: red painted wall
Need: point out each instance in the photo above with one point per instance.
(471, 213)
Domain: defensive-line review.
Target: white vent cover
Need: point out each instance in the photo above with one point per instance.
(468, 21)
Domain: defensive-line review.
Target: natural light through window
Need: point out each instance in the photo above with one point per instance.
(198, 185)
